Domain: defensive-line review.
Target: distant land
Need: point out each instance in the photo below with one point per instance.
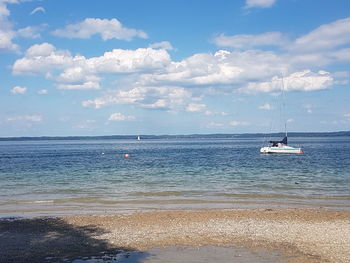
(215, 135)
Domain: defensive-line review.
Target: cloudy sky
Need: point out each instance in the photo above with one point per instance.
(103, 67)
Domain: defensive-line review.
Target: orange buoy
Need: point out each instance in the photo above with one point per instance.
(126, 155)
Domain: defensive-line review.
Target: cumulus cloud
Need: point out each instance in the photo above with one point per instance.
(42, 58)
(298, 81)
(120, 117)
(251, 41)
(78, 72)
(259, 3)
(6, 43)
(80, 86)
(6, 32)
(162, 45)
(323, 46)
(221, 68)
(18, 90)
(128, 61)
(29, 32)
(167, 98)
(149, 78)
(107, 29)
(325, 37)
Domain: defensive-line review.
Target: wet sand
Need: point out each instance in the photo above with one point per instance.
(181, 254)
(297, 235)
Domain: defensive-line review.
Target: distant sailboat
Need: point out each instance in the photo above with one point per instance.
(281, 146)
(138, 138)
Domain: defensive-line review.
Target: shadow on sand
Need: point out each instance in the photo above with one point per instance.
(53, 240)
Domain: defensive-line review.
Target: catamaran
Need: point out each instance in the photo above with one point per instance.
(281, 146)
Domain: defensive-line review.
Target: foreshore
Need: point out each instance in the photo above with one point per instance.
(298, 235)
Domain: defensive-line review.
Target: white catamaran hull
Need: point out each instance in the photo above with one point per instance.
(280, 149)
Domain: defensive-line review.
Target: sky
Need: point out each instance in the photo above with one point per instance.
(108, 67)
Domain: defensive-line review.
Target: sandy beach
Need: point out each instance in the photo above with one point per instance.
(298, 235)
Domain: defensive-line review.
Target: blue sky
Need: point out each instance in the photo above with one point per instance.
(173, 67)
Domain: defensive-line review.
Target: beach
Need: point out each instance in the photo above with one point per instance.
(298, 235)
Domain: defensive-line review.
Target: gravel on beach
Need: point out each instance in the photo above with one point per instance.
(299, 235)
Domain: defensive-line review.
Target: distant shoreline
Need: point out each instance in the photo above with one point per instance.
(186, 136)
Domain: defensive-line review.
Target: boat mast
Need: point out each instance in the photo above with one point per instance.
(283, 109)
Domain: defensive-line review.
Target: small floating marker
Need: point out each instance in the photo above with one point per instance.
(126, 155)
(102, 153)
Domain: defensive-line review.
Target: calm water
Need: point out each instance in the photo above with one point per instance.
(92, 176)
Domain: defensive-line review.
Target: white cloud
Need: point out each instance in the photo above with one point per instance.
(162, 45)
(148, 78)
(120, 117)
(325, 37)
(38, 9)
(167, 98)
(29, 32)
(42, 58)
(195, 107)
(128, 61)
(77, 78)
(221, 68)
(6, 32)
(43, 91)
(82, 73)
(298, 81)
(250, 41)
(44, 49)
(18, 90)
(266, 106)
(30, 118)
(81, 86)
(108, 29)
(6, 37)
(239, 123)
(322, 46)
(259, 3)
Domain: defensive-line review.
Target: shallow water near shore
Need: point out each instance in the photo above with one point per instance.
(188, 255)
(62, 177)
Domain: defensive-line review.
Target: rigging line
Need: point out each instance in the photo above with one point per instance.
(284, 108)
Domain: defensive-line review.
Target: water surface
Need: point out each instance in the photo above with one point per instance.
(88, 176)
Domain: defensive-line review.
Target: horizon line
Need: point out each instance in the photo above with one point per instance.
(162, 135)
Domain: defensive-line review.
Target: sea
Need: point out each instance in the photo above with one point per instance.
(64, 176)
